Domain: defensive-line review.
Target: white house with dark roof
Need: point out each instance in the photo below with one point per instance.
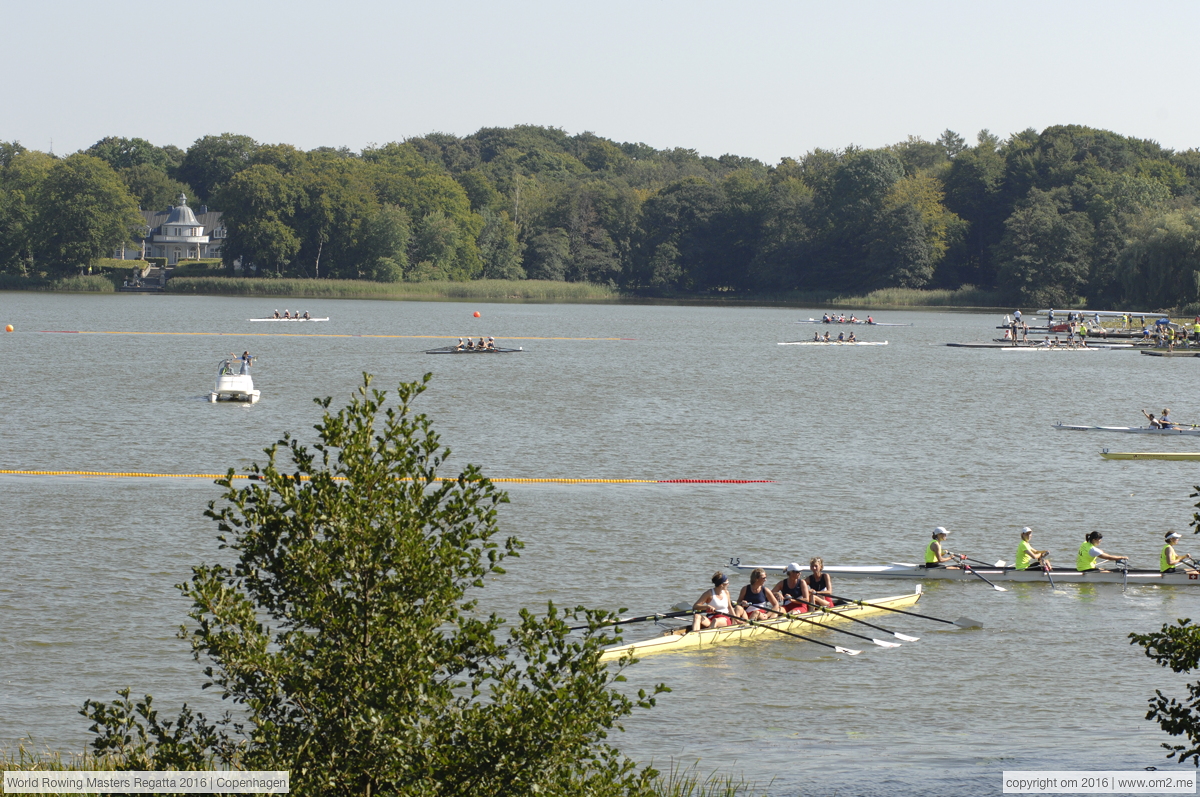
(181, 234)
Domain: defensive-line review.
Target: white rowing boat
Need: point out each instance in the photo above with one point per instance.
(835, 343)
(326, 318)
(1127, 429)
(859, 321)
(1060, 575)
(1040, 347)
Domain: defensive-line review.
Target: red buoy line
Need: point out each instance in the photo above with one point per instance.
(256, 477)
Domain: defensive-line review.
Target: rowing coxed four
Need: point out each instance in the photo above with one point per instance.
(687, 639)
(835, 343)
(456, 350)
(1061, 575)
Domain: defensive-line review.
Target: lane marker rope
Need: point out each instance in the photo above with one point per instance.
(254, 477)
(289, 335)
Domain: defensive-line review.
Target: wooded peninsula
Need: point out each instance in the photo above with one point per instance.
(1069, 216)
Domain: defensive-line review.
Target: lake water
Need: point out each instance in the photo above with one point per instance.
(868, 448)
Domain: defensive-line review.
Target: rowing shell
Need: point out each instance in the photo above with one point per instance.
(1126, 429)
(687, 639)
(326, 318)
(456, 350)
(1181, 456)
(1039, 347)
(864, 323)
(1064, 575)
(835, 343)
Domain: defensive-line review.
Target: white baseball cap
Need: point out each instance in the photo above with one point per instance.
(940, 530)
(1026, 529)
(794, 568)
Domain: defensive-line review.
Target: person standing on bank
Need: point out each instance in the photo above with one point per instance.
(1090, 554)
(1168, 558)
(935, 554)
(1027, 555)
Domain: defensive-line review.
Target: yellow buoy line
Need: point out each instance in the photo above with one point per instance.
(256, 477)
(288, 335)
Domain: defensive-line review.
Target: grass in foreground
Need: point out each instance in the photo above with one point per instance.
(678, 782)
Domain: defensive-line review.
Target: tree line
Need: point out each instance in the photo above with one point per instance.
(1070, 214)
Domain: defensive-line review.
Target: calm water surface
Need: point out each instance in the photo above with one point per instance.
(869, 448)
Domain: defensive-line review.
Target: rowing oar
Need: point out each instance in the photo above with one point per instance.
(962, 622)
(838, 648)
(971, 570)
(1000, 564)
(624, 620)
(878, 642)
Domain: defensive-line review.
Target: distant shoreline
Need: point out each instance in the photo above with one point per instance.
(521, 291)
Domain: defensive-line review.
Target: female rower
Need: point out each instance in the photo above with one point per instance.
(816, 337)
(720, 609)
(820, 585)
(841, 337)
(793, 590)
(491, 344)
(1168, 558)
(851, 339)
(1090, 555)
(1026, 554)
(481, 345)
(757, 598)
(935, 554)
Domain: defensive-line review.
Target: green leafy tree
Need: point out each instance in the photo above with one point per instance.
(212, 161)
(151, 187)
(1161, 264)
(498, 247)
(22, 173)
(383, 252)
(123, 153)
(349, 634)
(83, 211)
(259, 204)
(1044, 257)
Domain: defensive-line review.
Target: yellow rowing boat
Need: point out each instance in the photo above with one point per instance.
(1185, 456)
(686, 639)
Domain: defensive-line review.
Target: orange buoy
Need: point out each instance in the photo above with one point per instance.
(8, 328)
(476, 315)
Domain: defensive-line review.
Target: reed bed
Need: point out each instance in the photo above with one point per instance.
(491, 290)
(968, 296)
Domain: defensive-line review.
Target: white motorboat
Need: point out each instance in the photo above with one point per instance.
(1129, 429)
(234, 382)
(1181, 578)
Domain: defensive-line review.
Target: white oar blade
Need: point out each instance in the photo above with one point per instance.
(967, 622)
(905, 637)
(883, 644)
(848, 651)
(999, 589)
(1001, 563)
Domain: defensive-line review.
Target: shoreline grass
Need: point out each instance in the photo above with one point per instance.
(492, 290)
(967, 297)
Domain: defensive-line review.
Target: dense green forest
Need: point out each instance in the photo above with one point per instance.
(1068, 215)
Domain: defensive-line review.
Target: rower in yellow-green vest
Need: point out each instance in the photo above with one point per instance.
(1167, 559)
(935, 555)
(1090, 554)
(1026, 554)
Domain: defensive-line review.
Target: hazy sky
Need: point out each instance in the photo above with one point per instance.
(763, 79)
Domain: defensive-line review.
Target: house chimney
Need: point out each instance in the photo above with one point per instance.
(204, 209)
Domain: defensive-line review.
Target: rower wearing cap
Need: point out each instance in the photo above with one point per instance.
(491, 344)
(461, 345)
(757, 598)
(1026, 554)
(481, 345)
(714, 608)
(1168, 558)
(793, 590)
(1090, 554)
(935, 554)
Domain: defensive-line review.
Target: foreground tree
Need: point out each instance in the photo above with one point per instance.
(347, 635)
(1177, 646)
